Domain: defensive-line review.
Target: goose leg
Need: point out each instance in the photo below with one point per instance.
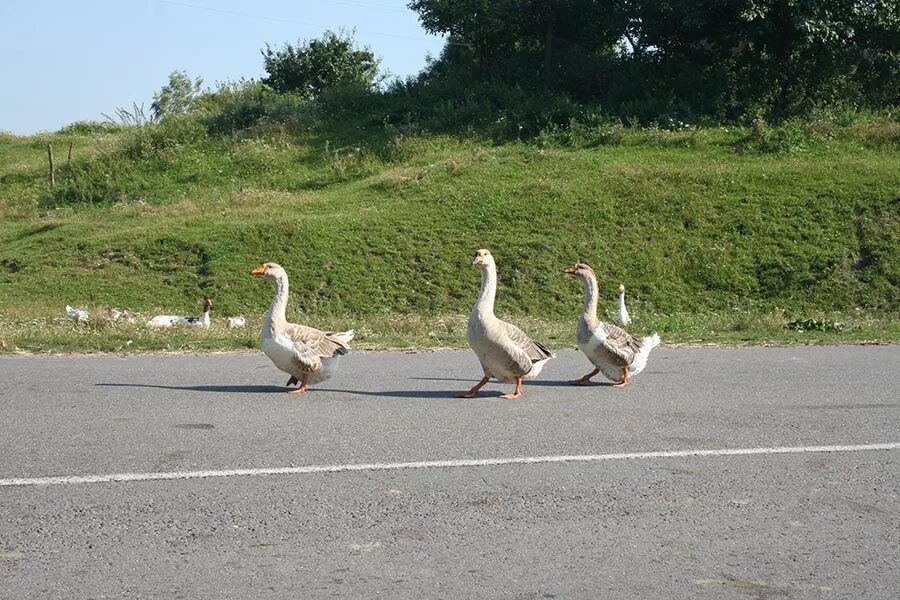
(586, 379)
(516, 393)
(625, 380)
(474, 391)
(302, 387)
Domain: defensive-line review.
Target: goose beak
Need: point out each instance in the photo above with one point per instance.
(569, 271)
(477, 261)
(258, 271)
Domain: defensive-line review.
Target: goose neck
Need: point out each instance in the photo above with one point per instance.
(485, 304)
(591, 294)
(277, 310)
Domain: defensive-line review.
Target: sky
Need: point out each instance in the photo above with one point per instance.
(63, 61)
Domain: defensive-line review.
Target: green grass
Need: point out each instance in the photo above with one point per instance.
(716, 240)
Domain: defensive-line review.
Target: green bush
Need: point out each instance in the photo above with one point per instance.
(790, 136)
(90, 127)
(587, 131)
(238, 106)
(177, 97)
(172, 134)
(314, 66)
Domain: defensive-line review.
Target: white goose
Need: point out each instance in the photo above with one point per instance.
(505, 352)
(622, 315)
(170, 320)
(307, 354)
(613, 351)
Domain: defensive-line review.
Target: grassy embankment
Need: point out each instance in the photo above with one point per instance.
(715, 240)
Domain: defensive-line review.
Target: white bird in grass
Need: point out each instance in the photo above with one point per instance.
(622, 316)
(170, 320)
(79, 315)
(236, 322)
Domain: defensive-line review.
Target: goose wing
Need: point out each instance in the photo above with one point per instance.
(619, 342)
(533, 349)
(312, 345)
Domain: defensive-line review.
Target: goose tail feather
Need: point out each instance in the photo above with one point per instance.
(640, 360)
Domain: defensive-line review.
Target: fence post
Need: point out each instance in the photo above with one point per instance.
(52, 168)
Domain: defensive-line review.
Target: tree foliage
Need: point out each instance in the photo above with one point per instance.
(176, 97)
(722, 58)
(784, 55)
(537, 39)
(314, 66)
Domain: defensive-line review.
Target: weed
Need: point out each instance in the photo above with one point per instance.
(791, 136)
(803, 325)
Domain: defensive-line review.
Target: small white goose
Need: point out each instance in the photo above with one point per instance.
(622, 315)
(170, 320)
(307, 354)
(503, 350)
(236, 322)
(613, 351)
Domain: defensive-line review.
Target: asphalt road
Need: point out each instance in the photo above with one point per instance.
(773, 524)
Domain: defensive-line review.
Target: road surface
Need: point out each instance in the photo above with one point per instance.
(719, 473)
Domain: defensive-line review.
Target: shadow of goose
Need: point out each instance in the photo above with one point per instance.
(527, 382)
(230, 389)
(416, 394)
(566, 384)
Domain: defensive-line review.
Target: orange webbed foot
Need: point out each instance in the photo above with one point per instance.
(474, 391)
(516, 393)
(625, 380)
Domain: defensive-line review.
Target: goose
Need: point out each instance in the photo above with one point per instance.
(503, 350)
(79, 315)
(308, 355)
(622, 316)
(613, 351)
(236, 322)
(169, 320)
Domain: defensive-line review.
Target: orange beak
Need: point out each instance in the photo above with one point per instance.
(258, 271)
(569, 271)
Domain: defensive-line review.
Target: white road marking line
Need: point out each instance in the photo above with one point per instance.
(436, 464)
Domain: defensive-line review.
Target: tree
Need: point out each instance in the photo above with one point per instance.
(313, 66)
(177, 97)
(784, 55)
(504, 31)
(683, 58)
